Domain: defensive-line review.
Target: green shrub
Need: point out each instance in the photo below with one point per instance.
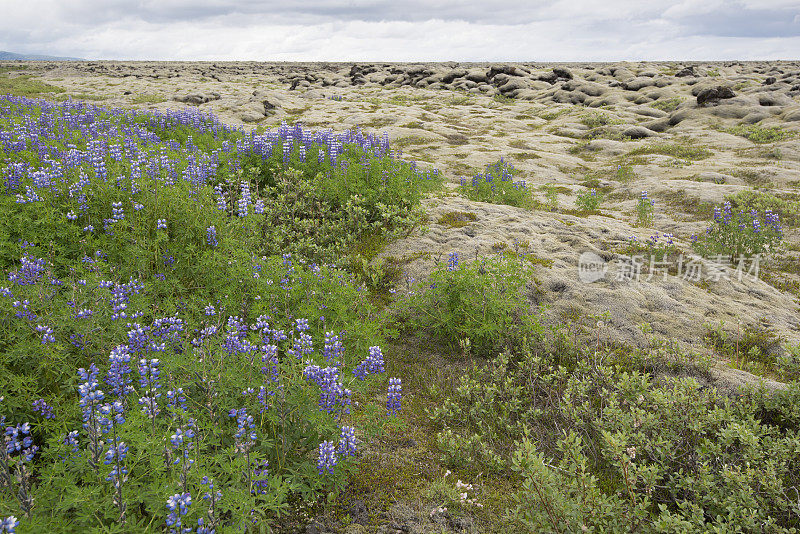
(667, 104)
(480, 301)
(589, 200)
(736, 235)
(630, 452)
(749, 199)
(497, 186)
(644, 210)
(680, 151)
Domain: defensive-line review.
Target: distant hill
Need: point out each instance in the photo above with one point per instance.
(11, 56)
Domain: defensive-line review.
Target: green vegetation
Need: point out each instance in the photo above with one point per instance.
(596, 119)
(756, 349)
(788, 209)
(473, 306)
(589, 200)
(497, 186)
(149, 99)
(760, 134)
(457, 219)
(667, 104)
(25, 85)
(644, 210)
(680, 151)
(668, 455)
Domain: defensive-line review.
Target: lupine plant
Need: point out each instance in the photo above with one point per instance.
(589, 200)
(644, 210)
(498, 186)
(152, 254)
(735, 235)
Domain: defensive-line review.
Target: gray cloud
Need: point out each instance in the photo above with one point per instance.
(405, 30)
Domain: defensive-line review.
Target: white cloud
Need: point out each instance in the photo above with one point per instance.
(411, 30)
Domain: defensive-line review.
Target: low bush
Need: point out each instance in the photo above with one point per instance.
(630, 452)
(589, 200)
(479, 303)
(735, 235)
(497, 185)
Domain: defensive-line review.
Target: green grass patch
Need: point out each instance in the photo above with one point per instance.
(667, 104)
(457, 219)
(680, 151)
(25, 85)
(760, 134)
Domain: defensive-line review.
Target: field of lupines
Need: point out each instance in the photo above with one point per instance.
(193, 341)
(181, 349)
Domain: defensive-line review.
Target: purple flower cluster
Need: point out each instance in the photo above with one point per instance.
(452, 261)
(347, 441)
(334, 397)
(372, 364)
(30, 271)
(333, 350)
(178, 506)
(41, 407)
(395, 393)
(246, 434)
(326, 459)
(9, 524)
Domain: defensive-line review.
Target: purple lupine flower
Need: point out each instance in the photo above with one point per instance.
(246, 435)
(118, 378)
(30, 271)
(177, 399)
(71, 440)
(47, 334)
(327, 457)
(9, 524)
(303, 346)
(347, 441)
(212, 497)
(210, 310)
(116, 454)
(260, 480)
(111, 416)
(161, 224)
(333, 350)
(178, 506)
(395, 393)
(41, 407)
(452, 261)
(181, 441)
(18, 438)
(270, 359)
(333, 395)
(211, 236)
(244, 199)
(372, 364)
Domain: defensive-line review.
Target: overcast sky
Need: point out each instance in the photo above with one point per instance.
(403, 30)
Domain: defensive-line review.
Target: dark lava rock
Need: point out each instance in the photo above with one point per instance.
(713, 94)
(196, 99)
(770, 80)
(562, 72)
(685, 72)
(638, 132)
